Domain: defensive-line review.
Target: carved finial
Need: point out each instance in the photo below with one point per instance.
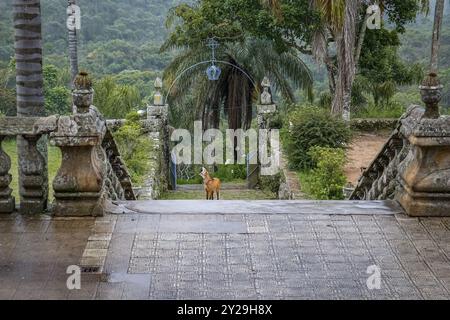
(431, 92)
(158, 83)
(265, 83)
(266, 97)
(83, 94)
(158, 99)
(83, 81)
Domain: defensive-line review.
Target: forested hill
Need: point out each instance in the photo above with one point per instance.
(116, 35)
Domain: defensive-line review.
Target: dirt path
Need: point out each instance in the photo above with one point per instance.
(362, 151)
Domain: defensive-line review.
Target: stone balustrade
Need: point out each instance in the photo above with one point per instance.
(91, 173)
(414, 165)
(33, 187)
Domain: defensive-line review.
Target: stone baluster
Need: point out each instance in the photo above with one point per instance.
(425, 171)
(79, 184)
(7, 203)
(33, 182)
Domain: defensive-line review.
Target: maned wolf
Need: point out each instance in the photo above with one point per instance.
(211, 185)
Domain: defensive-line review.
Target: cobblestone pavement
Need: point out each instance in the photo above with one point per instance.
(265, 256)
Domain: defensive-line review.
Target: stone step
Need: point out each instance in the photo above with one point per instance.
(196, 207)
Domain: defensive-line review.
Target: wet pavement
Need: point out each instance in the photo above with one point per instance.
(224, 254)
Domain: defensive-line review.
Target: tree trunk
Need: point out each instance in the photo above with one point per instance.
(30, 102)
(438, 16)
(345, 45)
(73, 51)
(361, 37)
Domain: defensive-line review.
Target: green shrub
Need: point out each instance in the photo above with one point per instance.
(308, 127)
(115, 100)
(230, 172)
(327, 179)
(270, 183)
(391, 110)
(135, 148)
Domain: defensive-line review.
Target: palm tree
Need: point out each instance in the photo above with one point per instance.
(274, 5)
(72, 40)
(28, 55)
(340, 20)
(438, 16)
(345, 38)
(29, 77)
(245, 66)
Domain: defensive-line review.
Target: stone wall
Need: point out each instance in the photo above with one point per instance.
(92, 173)
(155, 128)
(413, 167)
(373, 124)
(380, 180)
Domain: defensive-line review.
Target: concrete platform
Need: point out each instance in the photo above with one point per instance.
(258, 207)
(228, 252)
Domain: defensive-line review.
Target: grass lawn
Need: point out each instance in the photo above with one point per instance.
(54, 162)
(305, 177)
(224, 195)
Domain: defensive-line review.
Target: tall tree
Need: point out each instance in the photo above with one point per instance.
(341, 19)
(246, 64)
(73, 43)
(438, 16)
(30, 90)
(28, 55)
(345, 45)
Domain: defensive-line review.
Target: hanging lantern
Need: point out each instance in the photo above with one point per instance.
(213, 72)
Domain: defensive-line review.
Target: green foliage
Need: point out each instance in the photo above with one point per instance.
(445, 102)
(135, 148)
(57, 100)
(235, 20)
(307, 127)
(8, 101)
(381, 70)
(226, 173)
(57, 95)
(114, 100)
(229, 173)
(270, 183)
(416, 41)
(327, 178)
(7, 90)
(142, 80)
(115, 35)
(54, 163)
(391, 110)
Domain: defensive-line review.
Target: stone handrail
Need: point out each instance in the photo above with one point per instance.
(413, 167)
(91, 171)
(379, 179)
(33, 181)
(117, 169)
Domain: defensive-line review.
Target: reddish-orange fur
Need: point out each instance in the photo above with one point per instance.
(212, 185)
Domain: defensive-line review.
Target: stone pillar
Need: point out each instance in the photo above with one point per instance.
(156, 127)
(425, 172)
(267, 108)
(33, 188)
(79, 183)
(7, 203)
(265, 111)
